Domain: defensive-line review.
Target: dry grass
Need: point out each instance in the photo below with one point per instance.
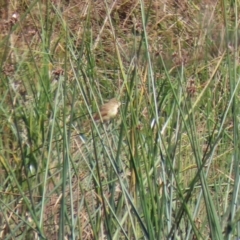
(44, 42)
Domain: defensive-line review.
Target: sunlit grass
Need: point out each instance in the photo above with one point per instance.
(166, 167)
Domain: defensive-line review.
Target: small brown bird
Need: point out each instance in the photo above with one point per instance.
(107, 111)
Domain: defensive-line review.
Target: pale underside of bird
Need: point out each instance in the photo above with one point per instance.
(107, 111)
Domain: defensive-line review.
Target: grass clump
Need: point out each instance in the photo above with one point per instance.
(166, 167)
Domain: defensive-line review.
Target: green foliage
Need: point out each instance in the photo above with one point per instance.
(166, 167)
